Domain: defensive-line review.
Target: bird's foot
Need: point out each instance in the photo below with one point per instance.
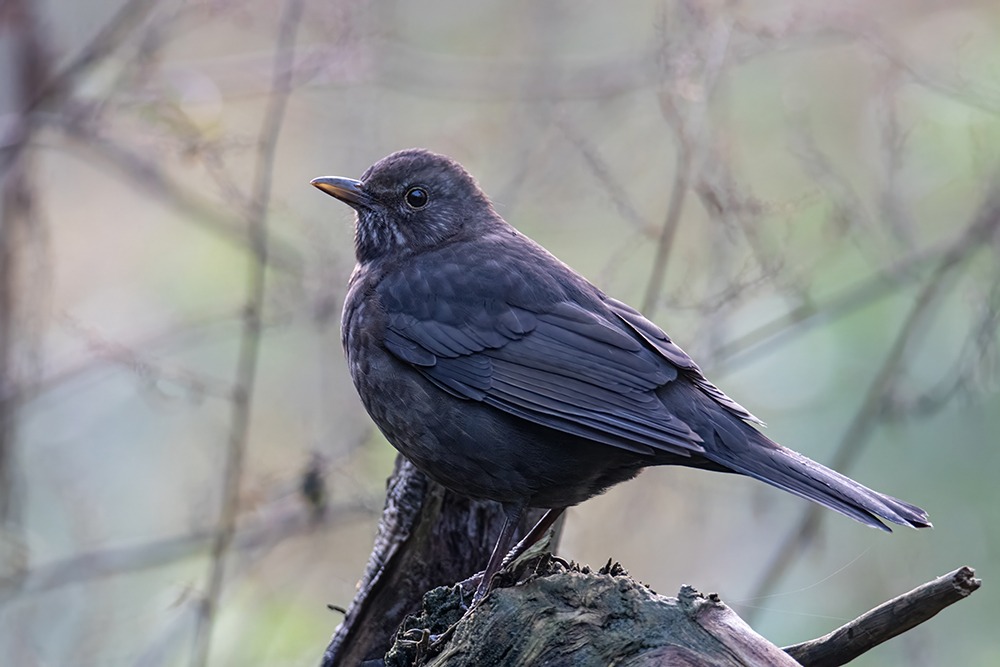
(437, 642)
(482, 590)
(419, 640)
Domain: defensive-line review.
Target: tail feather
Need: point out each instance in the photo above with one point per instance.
(746, 450)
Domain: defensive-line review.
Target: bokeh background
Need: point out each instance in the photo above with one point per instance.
(804, 194)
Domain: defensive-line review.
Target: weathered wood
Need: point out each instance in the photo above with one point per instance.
(545, 612)
(563, 616)
(427, 537)
(886, 621)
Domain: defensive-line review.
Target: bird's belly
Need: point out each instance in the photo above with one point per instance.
(481, 451)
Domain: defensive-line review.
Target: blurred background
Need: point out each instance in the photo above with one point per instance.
(803, 194)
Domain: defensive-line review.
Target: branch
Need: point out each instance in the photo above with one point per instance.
(48, 87)
(602, 171)
(268, 525)
(154, 180)
(757, 342)
(869, 415)
(23, 246)
(687, 118)
(249, 351)
(886, 621)
(109, 37)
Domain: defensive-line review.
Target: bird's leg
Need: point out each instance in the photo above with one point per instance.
(512, 518)
(535, 534)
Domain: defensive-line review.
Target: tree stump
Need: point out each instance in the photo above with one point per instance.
(545, 611)
(567, 615)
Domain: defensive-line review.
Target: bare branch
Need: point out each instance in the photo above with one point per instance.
(602, 171)
(684, 103)
(807, 316)
(156, 182)
(120, 27)
(24, 265)
(886, 621)
(46, 87)
(246, 371)
(983, 226)
(269, 525)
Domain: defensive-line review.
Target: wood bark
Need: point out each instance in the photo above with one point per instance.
(886, 621)
(571, 616)
(548, 612)
(545, 611)
(427, 537)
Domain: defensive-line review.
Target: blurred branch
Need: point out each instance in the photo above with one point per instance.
(837, 29)
(107, 351)
(249, 351)
(976, 363)
(602, 171)
(849, 211)
(108, 38)
(267, 526)
(24, 271)
(872, 411)
(979, 95)
(71, 117)
(889, 619)
(892, 205)
(434, 75)
(154, 180)
(684, 102)
(150, 372)
(731, 275)
(803, 318)
(47, 88)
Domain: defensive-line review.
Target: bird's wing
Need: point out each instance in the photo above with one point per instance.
(561, 366)
(656, 337)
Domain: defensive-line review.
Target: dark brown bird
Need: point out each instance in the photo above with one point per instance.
(503, 374)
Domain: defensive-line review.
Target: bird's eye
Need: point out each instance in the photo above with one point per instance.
(417, 198)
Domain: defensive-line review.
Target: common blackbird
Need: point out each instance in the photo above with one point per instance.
(503, 374)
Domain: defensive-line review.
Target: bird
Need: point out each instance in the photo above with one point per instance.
(503, 374)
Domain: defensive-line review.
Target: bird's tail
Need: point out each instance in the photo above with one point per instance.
(766, 460)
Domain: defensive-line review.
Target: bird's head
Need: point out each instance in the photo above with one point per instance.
(410, 201)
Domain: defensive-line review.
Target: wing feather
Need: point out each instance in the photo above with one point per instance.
(656, 337)
(590, 372)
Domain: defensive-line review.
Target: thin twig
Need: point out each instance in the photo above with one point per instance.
(869, 415)
(103, 44)
(106, 41)
(690, 130)
(155, 181)
(949, 82)
(601, 170)
(20, 224)
(269, 525)
(886, 621)
(160, 648)
(802, 319)
(153, 346)
(665, 243)
(250, 341)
